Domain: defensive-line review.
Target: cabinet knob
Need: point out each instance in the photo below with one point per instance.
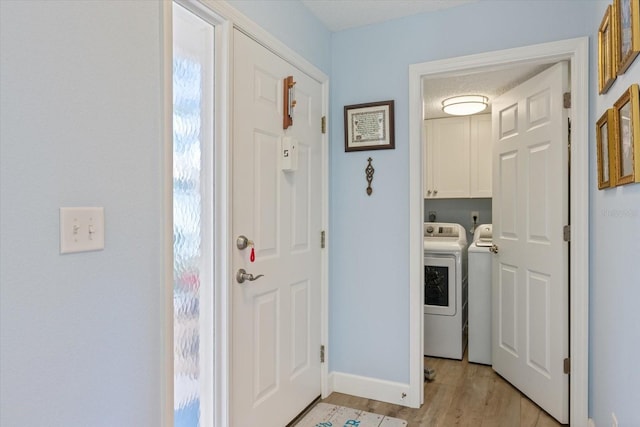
(435, 192)
(428, 192)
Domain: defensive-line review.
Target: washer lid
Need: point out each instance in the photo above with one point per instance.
(448, 246)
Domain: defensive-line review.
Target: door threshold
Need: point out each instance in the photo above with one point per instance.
(304, 412)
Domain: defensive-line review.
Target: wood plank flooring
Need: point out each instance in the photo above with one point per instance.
(462, 394)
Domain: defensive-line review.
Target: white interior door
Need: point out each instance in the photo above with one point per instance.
(530, 271)
(276, 318)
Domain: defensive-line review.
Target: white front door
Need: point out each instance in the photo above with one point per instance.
(530, 271)
(276, 318)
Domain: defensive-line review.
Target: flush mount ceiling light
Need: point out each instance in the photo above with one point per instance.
(464, 105)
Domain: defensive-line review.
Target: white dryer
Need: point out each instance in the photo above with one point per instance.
(480, 259)
(445, 290)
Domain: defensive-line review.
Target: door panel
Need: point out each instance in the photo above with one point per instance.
(530, 208)
(276, 318)
(508, 309)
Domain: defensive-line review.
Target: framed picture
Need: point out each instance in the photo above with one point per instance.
(606, 53)
(627, 27)
(605, 141)
(627, 144)
(369, 126)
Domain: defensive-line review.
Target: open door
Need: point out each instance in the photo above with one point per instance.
(530, 316)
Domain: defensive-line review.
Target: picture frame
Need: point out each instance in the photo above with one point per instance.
(606, 52)
(369, 126)
(627, 140)
(605, 142)
(627, 27)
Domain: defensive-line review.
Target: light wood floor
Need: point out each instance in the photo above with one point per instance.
(462, 394)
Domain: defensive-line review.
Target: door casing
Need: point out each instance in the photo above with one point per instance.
(576, 51)
(225, 18)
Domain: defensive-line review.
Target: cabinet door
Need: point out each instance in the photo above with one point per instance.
(448, 158)
(480, 148)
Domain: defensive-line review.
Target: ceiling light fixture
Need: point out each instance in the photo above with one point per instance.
(464, 105)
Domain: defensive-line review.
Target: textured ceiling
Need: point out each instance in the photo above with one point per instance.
(339, 15)
(490, 83)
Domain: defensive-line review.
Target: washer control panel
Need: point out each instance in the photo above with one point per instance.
(434, 229)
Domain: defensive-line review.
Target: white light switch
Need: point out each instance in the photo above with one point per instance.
(81, 229)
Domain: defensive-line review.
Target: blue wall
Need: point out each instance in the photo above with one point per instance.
(80, 341)
(614, 344)
(369, 250)
(81, 110)
(459, 211)
(369, 289)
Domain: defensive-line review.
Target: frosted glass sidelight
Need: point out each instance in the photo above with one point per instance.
(192, 218)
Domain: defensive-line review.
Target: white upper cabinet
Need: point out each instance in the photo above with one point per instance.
(458, 157)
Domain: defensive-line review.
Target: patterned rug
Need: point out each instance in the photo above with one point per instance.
(326, 415)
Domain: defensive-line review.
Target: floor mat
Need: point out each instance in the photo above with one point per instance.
(327, 415)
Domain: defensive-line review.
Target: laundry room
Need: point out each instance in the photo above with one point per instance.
(458, 189)
(457, 202)
(475, 170)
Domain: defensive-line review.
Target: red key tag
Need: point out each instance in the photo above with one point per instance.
(252, 257)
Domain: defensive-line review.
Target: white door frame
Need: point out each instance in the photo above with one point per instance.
(226, 18)
(577, 52)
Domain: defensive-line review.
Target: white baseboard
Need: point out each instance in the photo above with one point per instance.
(591, 423)
(370, 388)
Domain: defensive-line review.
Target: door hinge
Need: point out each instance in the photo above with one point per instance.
(566, 233)
(566, 97)
(322, 354)
(322, 239)
(567, 365)
(323, 124)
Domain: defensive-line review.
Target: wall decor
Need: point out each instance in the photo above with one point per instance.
(606, 52)
(369, 126)
(605, 141)
(369, 170)
(627, 27)
(627, 143)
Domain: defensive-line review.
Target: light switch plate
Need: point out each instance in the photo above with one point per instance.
(81, 229)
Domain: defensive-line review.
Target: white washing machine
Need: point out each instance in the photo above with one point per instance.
(445, 290)
(480, 295)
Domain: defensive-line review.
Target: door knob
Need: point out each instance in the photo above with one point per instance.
(242, 242)
(494, 249)
(242, 275)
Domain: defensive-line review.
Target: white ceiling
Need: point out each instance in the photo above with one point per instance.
(339, 15)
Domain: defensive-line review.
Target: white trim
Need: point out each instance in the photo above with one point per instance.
(223, 267)
(369, 388)
(264, 38)
(576, 51)
(324, 282)
(166, 383)
(591, 423)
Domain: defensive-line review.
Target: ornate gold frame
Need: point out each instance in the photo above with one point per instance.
(605, 142)
(627, 28)
(627, 139)
(606, 52)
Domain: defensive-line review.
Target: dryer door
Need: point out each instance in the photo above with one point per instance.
(440, 284)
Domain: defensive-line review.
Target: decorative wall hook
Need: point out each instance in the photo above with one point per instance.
(289, 101)
(369, 170)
